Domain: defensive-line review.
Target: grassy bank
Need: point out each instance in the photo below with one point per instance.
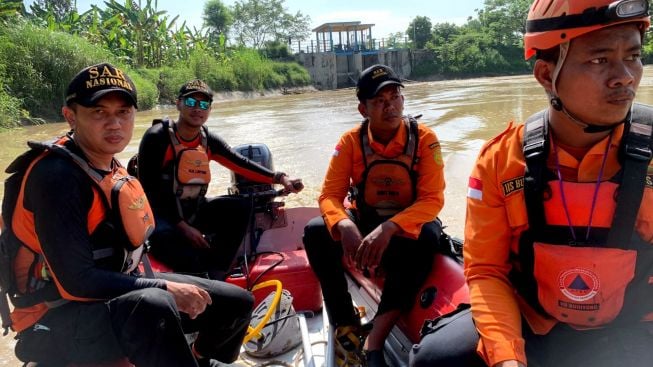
(36, 65)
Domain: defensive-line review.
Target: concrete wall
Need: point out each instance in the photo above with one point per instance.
(330, 70)
(322, 67)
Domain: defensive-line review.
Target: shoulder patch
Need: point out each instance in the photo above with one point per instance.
(437, 153)
(512, 185)
(490, 142)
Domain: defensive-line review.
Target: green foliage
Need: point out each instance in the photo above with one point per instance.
(10, 106)
(10, 9)
(148, 94)
(218, 73)
(505, 20)
(58, 8)
(38, 64)
(275, 50)
(419, 31)
(396, 40)
(293, 75)
(170, 79)
(647, 48)
(249, 69)
(217, 18)
(489, 45)
(222, 77)
(258, 21)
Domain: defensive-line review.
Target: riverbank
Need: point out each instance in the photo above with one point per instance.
(244, 95)
(444, 77)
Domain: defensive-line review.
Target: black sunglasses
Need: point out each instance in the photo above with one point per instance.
(192, 102)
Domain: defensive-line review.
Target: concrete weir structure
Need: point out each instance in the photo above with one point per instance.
(341, 50)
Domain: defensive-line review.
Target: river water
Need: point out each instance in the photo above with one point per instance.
(301, 130)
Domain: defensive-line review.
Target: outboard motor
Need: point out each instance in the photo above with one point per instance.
(266, 210)
(259, 153)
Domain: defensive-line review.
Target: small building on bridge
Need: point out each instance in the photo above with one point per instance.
(341, 50)
(357, 37)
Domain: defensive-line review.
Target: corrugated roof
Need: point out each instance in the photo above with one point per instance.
(343, 27)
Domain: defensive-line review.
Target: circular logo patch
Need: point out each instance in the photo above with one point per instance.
(579, 284)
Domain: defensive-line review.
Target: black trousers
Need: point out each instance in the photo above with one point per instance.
(454, 343)
(223, 220)
(143, 325)
(406, 264)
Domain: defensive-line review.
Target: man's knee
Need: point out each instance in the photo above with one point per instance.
(315, 232)
(452, 343)
(153, 303)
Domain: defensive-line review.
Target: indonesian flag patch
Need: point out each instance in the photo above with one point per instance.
(475, 189)
(336, 151)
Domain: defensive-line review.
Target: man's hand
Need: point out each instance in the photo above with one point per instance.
(194, 236)
(190, 299)
(293, 185)
(350, 237)
(373, 246)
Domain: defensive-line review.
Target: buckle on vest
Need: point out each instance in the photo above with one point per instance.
(534, 149)
(638, 152)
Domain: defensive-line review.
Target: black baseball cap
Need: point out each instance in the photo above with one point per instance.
(196, 86)
(95, 81)
(373, 79)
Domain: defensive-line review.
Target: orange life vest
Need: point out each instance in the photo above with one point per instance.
(191, 170)
(388, 184)
(119, 222)
(594, 281)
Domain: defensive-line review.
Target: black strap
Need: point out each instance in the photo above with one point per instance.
(536, 151)
(5, 313)
(147, 266)
(636, 156)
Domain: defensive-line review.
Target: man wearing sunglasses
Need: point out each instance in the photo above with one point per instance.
(194, 233)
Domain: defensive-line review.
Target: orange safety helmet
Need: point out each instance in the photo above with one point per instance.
(553, 22)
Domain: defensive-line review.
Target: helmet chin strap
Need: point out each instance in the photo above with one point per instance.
(557, 104)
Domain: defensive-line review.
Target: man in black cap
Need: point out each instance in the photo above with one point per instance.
(393, 167)
(195, 234)
(74, 227)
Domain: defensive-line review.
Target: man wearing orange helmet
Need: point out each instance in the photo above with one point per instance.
(559, 230)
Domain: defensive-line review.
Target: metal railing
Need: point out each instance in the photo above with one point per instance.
(313, 46)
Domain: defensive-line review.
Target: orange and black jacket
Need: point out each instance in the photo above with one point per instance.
(59, 208)
(347, 166)
(497, 219)
(156, 158)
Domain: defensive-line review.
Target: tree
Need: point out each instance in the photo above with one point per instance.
(217, 18)
(505, 20)
(419, 31)
(258, 21)
(59, 8)
(444, 33)
(396, 40)
(142, 33)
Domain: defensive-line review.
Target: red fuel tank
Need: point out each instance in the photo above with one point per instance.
(294, 272)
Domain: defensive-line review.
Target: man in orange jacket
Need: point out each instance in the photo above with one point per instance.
(395, 168)
(559, 231)
(77, 223)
